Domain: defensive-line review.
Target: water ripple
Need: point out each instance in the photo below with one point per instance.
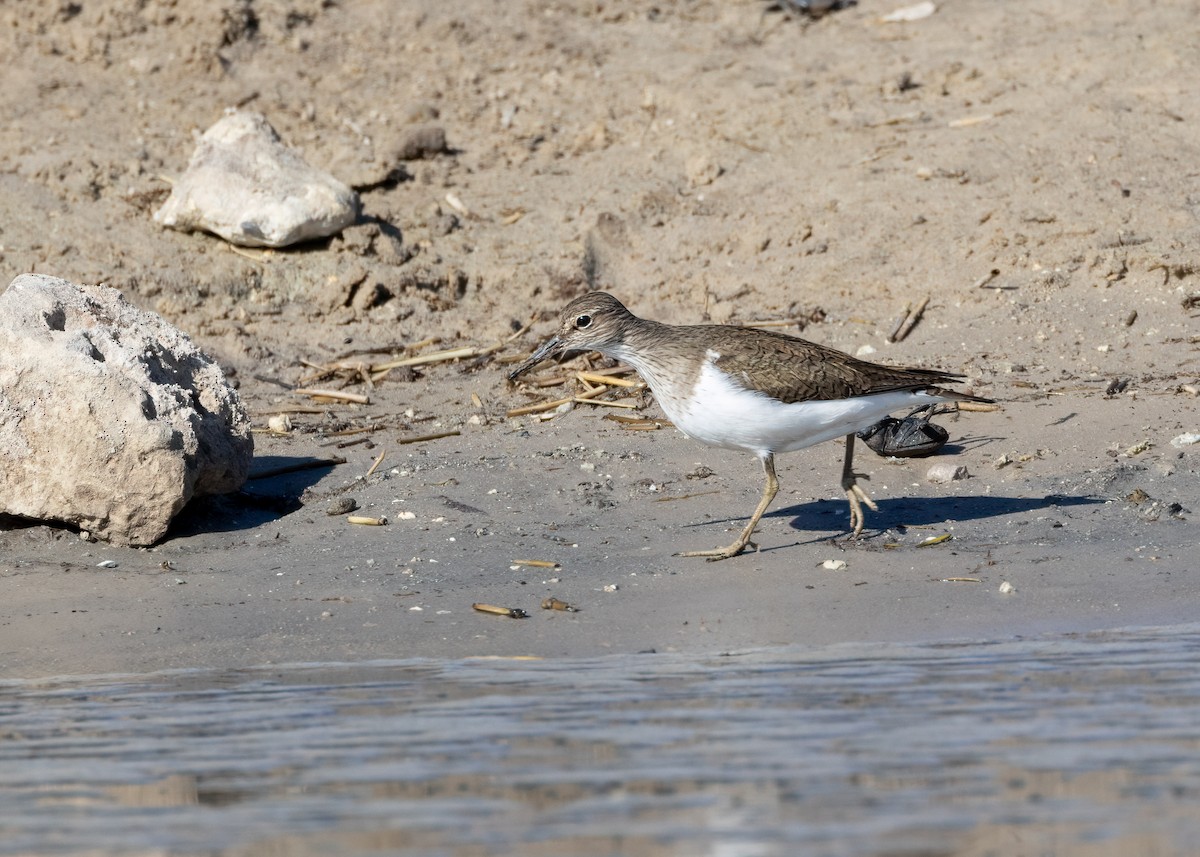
(1076, 745)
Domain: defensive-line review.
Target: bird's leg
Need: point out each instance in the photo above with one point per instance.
(769, 492)
(854, 494)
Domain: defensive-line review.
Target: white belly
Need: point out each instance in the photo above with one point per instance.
(723, 414)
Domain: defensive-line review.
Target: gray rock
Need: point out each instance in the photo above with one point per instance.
(245, 185)
(945, 472)
(110, 418)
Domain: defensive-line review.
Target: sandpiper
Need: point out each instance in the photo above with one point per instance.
(747, 388)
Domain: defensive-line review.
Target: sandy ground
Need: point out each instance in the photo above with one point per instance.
(708, 161)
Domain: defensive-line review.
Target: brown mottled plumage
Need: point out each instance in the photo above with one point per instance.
(745, 388)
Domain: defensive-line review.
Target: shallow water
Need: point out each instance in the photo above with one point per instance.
(1078, 745)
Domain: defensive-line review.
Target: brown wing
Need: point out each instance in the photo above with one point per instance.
(796, 370)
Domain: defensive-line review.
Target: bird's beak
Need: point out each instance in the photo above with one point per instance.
(552, 347)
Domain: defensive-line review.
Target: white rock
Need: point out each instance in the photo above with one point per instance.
(1185, 439)
(110, 418)
(1007, 588)
(910, 13)
(245, 185)
(939, 473)
(702, 170)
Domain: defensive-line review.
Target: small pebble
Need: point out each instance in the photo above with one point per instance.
(940, 473)
(834, 564)
(908, 14)
(702, 170)
(107, 563)
(423, 141)
(280, 424)
(1185, 439)
(341, 506)
(1137, 449)
(611, 587)
(1007, 588)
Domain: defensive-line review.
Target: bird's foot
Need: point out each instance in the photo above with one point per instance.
(718, 554)
(856, 497)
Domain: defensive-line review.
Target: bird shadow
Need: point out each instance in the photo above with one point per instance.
(920, 511)
(831, 515)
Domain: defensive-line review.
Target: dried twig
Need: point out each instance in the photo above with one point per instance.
(421, 438)
(374, 427)
(588, 399)
(779, 322)
(639, 423)
(987, 278)
(510, 612)
(346, 444)
(431, 357)
(684, 496)
(259, 256)
(598, 378)
(540, 407)
(292, 409)
(908, 321)
(336, 395)
(389, 349)
(378, 461)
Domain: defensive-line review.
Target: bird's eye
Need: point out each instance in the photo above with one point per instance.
(583, 321)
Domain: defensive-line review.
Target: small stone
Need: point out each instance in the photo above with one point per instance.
(702, 170)
(423, 141)
(243, 184)
(1185, 439)
(941, 473)
(908, 14)
(1007, 588)
(611, 587)
(1137, 496)
(280, 424)
(341, 506)
(834, 564)
(1137, 448)
(107, 563)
